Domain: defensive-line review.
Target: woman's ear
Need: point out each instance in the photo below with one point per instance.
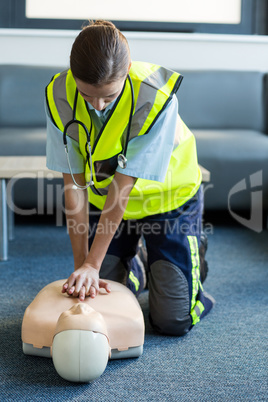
(130, 64)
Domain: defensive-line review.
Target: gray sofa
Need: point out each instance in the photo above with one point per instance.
(226, 110)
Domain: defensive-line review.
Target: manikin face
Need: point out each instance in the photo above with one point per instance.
(99, 96)
(81, 316)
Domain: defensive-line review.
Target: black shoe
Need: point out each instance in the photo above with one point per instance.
(202, 252)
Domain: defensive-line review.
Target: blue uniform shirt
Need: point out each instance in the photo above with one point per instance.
(148, 155)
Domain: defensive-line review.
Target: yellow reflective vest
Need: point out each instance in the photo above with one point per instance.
(153, 87)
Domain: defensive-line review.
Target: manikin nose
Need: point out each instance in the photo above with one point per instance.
(82, 308)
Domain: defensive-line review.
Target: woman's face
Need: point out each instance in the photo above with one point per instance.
(99, 96)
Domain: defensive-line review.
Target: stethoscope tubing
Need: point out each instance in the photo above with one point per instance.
(122, 160)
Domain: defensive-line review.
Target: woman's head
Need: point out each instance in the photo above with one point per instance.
(100, 54)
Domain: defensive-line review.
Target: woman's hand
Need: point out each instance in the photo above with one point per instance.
(84, 282)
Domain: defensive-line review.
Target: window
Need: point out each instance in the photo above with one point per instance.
(174, 11)
(205, 16)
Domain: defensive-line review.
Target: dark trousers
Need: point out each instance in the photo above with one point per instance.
(176, 297)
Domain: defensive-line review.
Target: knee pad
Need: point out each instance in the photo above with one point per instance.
(112, 268)
(169, 299)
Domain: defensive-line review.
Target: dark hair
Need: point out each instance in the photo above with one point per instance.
(100, 54)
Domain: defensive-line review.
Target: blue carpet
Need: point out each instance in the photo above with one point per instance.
(224, 358)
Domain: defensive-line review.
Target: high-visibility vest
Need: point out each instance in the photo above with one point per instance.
(153, 87)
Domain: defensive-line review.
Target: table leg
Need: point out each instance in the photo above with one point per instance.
(10, 212)
(10, 220)
(3, 223)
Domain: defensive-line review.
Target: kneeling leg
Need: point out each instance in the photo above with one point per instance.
(171, 310)
(169, 299)
(177, 300)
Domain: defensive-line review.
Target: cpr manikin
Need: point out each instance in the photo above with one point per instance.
(82, 336)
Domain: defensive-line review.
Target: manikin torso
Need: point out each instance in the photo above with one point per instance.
(112, 324)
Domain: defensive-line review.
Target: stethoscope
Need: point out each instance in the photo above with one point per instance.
(121, 159)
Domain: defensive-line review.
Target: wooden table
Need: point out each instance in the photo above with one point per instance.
(26, 167)
(15, 168)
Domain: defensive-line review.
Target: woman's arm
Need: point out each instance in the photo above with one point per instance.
(85, 280)
(76, 211)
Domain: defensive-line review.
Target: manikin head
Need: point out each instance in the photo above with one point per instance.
(100, 61)
(80, 349)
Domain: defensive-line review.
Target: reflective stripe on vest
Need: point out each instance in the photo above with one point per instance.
(154, 87)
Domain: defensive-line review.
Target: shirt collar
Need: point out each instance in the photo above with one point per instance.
(102, 112)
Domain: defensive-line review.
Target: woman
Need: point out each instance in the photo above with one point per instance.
(143, 177)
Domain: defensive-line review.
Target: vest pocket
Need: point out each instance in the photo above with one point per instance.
(105, 168)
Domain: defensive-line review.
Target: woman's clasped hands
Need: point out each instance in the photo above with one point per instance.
(84, 282)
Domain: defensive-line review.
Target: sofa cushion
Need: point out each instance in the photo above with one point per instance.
(224, 100)
(22, 94)
(241, 145)
(232, 156)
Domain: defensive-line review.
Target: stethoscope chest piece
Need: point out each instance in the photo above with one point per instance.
(122, 161)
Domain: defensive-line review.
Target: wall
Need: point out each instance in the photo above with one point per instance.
(174, 50)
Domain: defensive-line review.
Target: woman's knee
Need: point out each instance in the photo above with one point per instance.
(170, 326)
(169, 299)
